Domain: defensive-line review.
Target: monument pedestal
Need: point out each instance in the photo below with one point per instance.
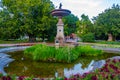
(60, 32)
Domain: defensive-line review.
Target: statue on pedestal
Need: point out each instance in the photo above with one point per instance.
(60, 6)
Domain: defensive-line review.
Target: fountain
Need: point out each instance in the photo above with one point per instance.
(60, 30)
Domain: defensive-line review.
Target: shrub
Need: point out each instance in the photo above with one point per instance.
(88, 37)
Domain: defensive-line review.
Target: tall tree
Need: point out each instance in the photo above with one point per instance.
(85, 25)
(32, 16)
(107, 23)
(70, 22)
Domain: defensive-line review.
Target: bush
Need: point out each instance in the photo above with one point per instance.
(88, 37)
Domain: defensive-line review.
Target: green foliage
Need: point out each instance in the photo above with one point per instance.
(29, 78)
(1, 75)
(108, 22)
(26, 17)
(85, 25)
(12, 41)
(70, 22)
(88, 37)
(64, 54)
(89, 51)
(8, 28)
(13, 77)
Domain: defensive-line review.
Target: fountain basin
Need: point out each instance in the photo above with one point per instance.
(48, 69)
(60, 12)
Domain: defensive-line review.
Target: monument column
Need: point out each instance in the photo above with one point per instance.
(60, 31)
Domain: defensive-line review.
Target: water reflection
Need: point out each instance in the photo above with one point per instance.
(77, 69)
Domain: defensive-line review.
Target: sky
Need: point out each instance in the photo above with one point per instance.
(87, 7)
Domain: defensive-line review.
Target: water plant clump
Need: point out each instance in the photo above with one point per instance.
(43, 52)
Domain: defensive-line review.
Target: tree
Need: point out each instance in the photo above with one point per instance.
(6, 26)
(70, 22)
(107, 23)
(32, 16)
(85, 25)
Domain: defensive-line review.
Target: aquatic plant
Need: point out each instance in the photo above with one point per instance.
(63, 54)
(88, 51)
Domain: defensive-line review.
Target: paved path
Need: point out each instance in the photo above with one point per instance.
(108, 50)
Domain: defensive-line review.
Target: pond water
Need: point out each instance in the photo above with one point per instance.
(24, 66)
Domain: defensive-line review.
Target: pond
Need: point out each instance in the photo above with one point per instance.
(24, 66)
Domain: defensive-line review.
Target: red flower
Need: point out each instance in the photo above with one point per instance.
(21, 78)
(9, 78)
(119, 60)
(94, 77)
(113, 67)
(77, 76)
(65, 79)
(4, 78)
(112, 76)
(114, 60)
(108, 60)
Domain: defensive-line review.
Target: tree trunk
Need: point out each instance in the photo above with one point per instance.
(110, 37)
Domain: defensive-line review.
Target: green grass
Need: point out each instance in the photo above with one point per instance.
(63, 54)
(12, 41)
(108, 42)
(103, 45)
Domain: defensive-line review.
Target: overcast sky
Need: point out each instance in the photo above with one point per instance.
(88, 7)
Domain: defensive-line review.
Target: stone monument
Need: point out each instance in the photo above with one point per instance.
(60, 25)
